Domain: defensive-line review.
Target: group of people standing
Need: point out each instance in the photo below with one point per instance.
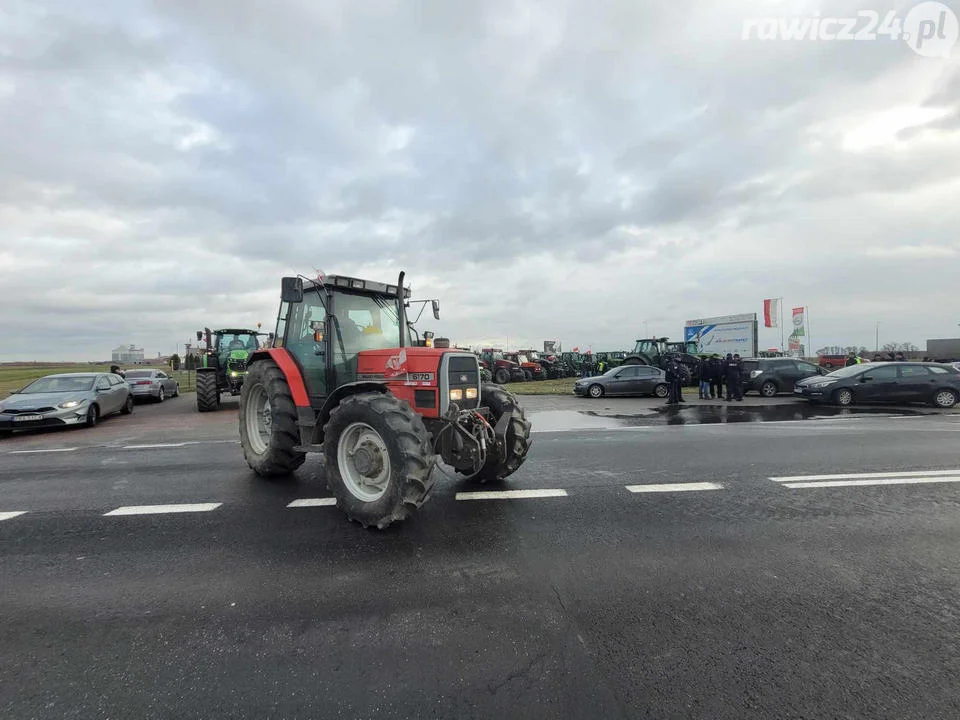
(715, 374)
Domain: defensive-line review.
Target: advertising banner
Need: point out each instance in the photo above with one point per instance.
(726, 334)
(798, 314)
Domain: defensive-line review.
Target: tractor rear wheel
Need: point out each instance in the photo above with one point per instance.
(501, 377)
(500, 402)
(208, 394)
(268, 422)
(378, 459)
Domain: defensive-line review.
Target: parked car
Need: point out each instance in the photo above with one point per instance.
(624, 380)
(769, 376)
(154, 384)
(898, 382)
(832, 361)
(65, 399)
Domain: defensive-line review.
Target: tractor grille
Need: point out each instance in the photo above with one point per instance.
(464, 372)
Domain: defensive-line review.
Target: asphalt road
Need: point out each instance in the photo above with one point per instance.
(737, 594)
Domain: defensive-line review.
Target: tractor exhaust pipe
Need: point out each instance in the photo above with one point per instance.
(402, 310)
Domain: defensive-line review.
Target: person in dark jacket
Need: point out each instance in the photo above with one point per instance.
(716, 377)
(674, 377)
(704, 378)
(733, 374)
(115, 370)
(852, 359)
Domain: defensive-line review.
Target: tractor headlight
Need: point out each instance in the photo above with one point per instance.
(456, 394)
(233, 373)
(471, 393)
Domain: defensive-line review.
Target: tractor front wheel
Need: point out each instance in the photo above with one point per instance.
(501, 377)
(268, 422)
(500, 465)
(208, 394)
(378, 459)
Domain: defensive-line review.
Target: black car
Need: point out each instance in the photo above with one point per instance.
(895, 382)
(769, 376)
(625, 380)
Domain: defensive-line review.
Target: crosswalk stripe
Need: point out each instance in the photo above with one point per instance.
(874, 481)
(859, 476)
(674, 487)
(151, 447)
(509, 494)
(12, 514)
(313, 502)
(163, 509)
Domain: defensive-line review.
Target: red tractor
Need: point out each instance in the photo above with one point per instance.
(345, 379)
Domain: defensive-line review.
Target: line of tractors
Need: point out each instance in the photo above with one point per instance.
(526, 365)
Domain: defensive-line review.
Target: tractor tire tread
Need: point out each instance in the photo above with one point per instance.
(280, 459)
(208, 394)
(413, 449)
(518, 434)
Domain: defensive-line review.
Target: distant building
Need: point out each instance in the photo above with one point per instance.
(128, 354)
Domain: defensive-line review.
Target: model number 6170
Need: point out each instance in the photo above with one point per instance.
(421, 376)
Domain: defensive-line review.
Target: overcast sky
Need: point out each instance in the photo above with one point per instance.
(581, 171)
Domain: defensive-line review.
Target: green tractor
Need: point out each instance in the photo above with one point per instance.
(657, 352)
(224, 363)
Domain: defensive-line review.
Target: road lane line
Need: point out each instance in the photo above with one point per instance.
(674, 487)
(162, 509)
(877, 481)
(313, 502)
(864, 476)
(150, 447)
(509, 494)
(45, 450)
(12, 514)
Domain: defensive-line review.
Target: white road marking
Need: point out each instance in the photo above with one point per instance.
(45, 450)
(510, 494)
(313, 502)
(12, 514)
(877, 481)
(161, 509)
(150, 447)
(858, 476)
(674, 487)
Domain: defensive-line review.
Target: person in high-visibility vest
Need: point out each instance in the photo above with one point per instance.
(852, 359)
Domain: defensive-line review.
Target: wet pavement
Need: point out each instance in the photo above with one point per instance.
(694, 413)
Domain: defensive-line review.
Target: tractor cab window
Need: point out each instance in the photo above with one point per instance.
(368, 322)
(230, 342)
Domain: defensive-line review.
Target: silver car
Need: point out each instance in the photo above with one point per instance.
(154, 384)
(66, 399)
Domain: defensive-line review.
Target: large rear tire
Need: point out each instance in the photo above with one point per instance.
(501, 402)
(501, 377)
(378, 459)
(208, 394)
(268, 422)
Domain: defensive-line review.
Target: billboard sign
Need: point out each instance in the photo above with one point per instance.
(724, 334)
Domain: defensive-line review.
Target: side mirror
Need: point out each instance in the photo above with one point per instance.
(435, 304)
(865, 378)
(199, 335)
(291, 290)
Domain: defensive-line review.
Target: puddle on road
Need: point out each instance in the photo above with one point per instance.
(564, 420)
(706, 414)
(557, 420)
